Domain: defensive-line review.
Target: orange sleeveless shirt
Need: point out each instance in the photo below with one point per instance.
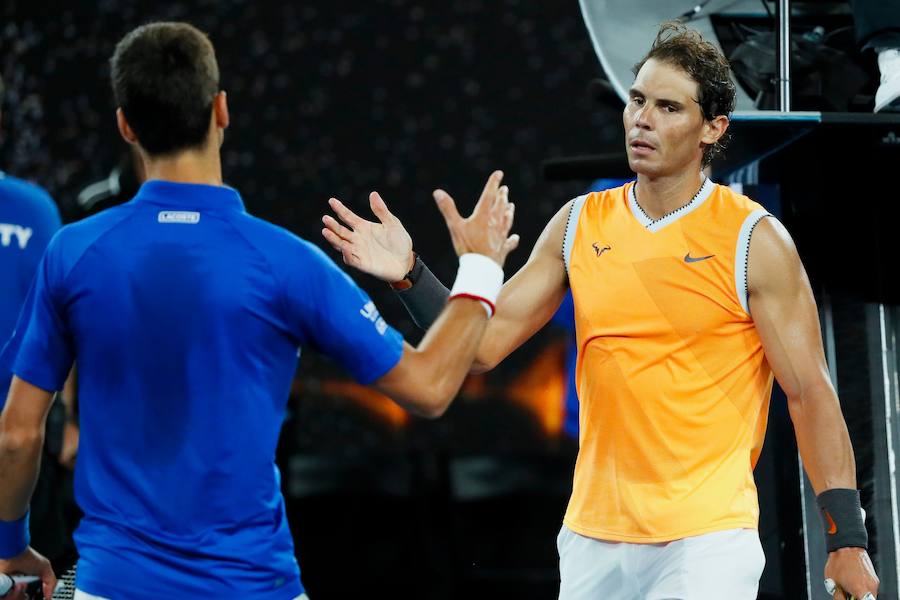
(673, 383)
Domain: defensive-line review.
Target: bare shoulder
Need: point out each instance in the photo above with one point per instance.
(773, 260)
(550, 241)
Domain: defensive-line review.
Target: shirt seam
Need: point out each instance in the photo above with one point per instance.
(96, 240)
(279, 289)
(651, 539)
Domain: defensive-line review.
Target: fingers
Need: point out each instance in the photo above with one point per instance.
(48, 580)
(344, 247)
(489, 193)
(338, 229)
(346, 215)
(379, 208)
(447, 207)
(508, 215)
(511, 243)
(834, 590)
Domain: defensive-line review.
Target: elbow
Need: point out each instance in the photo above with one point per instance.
(437, 398)
(435, 406)
(803, 398)
(483, 365)
(432, 412)
(21, 441)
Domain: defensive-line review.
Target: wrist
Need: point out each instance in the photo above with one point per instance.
(843, 519)
(479, 278)
(14, 537)
(412, 273)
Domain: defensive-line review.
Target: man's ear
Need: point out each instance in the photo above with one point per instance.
(713, 130)
(124, 128)
(220, 110)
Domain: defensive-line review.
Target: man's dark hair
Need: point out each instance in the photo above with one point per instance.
(165, 78)
(684, 48)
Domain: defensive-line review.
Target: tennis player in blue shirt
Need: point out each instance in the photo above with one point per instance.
(186, 316)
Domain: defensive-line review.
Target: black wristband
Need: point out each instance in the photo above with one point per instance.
(426, 299)
(842, 518)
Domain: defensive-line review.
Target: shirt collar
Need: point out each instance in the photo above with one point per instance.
(190, 195)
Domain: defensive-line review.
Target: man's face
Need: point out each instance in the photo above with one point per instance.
(664, 126)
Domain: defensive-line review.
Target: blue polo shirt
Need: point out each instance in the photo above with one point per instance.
(28, 219)
(186, 317)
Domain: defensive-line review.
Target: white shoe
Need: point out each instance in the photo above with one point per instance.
(887, 98)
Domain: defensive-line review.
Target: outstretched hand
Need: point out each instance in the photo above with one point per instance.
(382, 249)
(486, 230)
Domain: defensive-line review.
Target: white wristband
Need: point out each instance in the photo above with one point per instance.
(479, 278)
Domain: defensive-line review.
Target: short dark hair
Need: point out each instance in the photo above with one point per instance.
(165, 78)
(685, 48)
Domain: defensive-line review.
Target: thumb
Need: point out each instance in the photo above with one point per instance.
(48, 579)
(379, 208)
(511, 243)
(447, 207)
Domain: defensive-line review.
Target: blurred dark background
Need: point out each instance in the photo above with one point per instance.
(340, 98)
(401, 96)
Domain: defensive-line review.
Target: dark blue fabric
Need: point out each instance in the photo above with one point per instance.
(28, 219)
(186, 316)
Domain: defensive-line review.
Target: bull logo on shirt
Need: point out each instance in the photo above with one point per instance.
(8, 231)
(600, 249)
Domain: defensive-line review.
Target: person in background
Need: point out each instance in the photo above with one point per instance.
(878, 28)
(28, 220)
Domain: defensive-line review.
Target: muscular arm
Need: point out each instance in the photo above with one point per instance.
(526, 302)
(784, 311)
(22, 426)
(425, 382)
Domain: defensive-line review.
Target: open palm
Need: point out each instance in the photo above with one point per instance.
(382, 249)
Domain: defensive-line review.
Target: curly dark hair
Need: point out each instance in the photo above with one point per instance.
(686, 49)
(165, 78)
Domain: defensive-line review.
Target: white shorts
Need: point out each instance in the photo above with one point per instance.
(79, 595)
(723, 564)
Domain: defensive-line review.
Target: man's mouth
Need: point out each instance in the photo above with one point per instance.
(641, 148)
(641, 144)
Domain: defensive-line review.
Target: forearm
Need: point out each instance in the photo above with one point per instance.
(425, 300)
(20, 460)
(822, 438)
(426, 381)
(458, 332)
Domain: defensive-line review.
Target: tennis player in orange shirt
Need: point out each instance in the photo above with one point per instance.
(689, 299)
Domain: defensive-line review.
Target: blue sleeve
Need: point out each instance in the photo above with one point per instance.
(328, 310)
(46, 224)
(40, 350)
(49, 223)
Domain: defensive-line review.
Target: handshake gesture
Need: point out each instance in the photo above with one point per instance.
(384, 249)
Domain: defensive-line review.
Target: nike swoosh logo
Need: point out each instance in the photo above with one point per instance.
(690, 259)
(832, 526)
